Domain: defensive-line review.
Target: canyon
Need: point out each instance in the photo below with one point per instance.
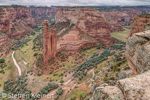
(137, 55)
(89, 27)
(41, 12)
(121, 16)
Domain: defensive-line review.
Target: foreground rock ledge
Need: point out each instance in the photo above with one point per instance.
(136, 88)
(137, 52)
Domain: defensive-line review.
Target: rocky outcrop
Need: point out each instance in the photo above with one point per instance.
(136, 88)
(86, 20)
(137, 51)
(50, 43)
(139, 24)
(107, 93)
(41, 12)
(15, 21)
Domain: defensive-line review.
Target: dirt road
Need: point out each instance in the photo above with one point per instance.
(14, 60)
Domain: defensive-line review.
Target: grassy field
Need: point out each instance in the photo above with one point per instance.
(10, 71)
(122, 35)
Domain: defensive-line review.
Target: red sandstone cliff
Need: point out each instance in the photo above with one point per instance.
(15, 21)
(139, 23)
(41, 12)
(50, 43)
(119, 16)
(87, 20)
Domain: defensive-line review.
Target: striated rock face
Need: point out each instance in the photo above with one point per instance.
(87, 20)
(136, 88)
(117, 19)
(120, 16)
(15, 21)
(139, 23)
(3, 40)
(74, 40)
(137, 51)
(41, 12)
(50, 43)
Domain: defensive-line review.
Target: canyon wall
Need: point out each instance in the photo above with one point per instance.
(121, 16)
(87, 20)
(50, 42)
(41, 12)
(15, 21)
(140, 23)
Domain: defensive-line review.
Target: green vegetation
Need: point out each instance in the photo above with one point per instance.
(59, 91)
(38, 42)
(66, 31)
(40, 73)
(35, 54)
(127, 27)
(2, 60)
(145, 15)
(36, 28)
(92, 62)
(59, 26)
(105, 79)
(17, 87)
(48, 88)
(2, 66)
(118, 40)
(61, 81)
(33, 33)
(118, 47)
(121, 35)
(21, 43)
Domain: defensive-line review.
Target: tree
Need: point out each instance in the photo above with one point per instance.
(35, 54)
(2, 60)
(51, 72)
(40, 73)
(61, 81)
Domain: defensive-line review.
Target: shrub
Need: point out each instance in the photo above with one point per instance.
(61, 81)
(33, 33)
(105, 79)
(35, 54)
(40, 73)
(98, 47)
(81, 95)
(111, 78)
(59, 91)
(73, 98)
(61, 74)
(2, 60)
(34, 47)
(51, 72)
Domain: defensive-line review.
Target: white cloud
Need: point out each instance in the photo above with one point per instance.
(75, 2)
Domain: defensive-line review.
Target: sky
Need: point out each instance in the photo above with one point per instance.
(75, 2)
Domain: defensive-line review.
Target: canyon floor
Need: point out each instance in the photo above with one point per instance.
(72, 87)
